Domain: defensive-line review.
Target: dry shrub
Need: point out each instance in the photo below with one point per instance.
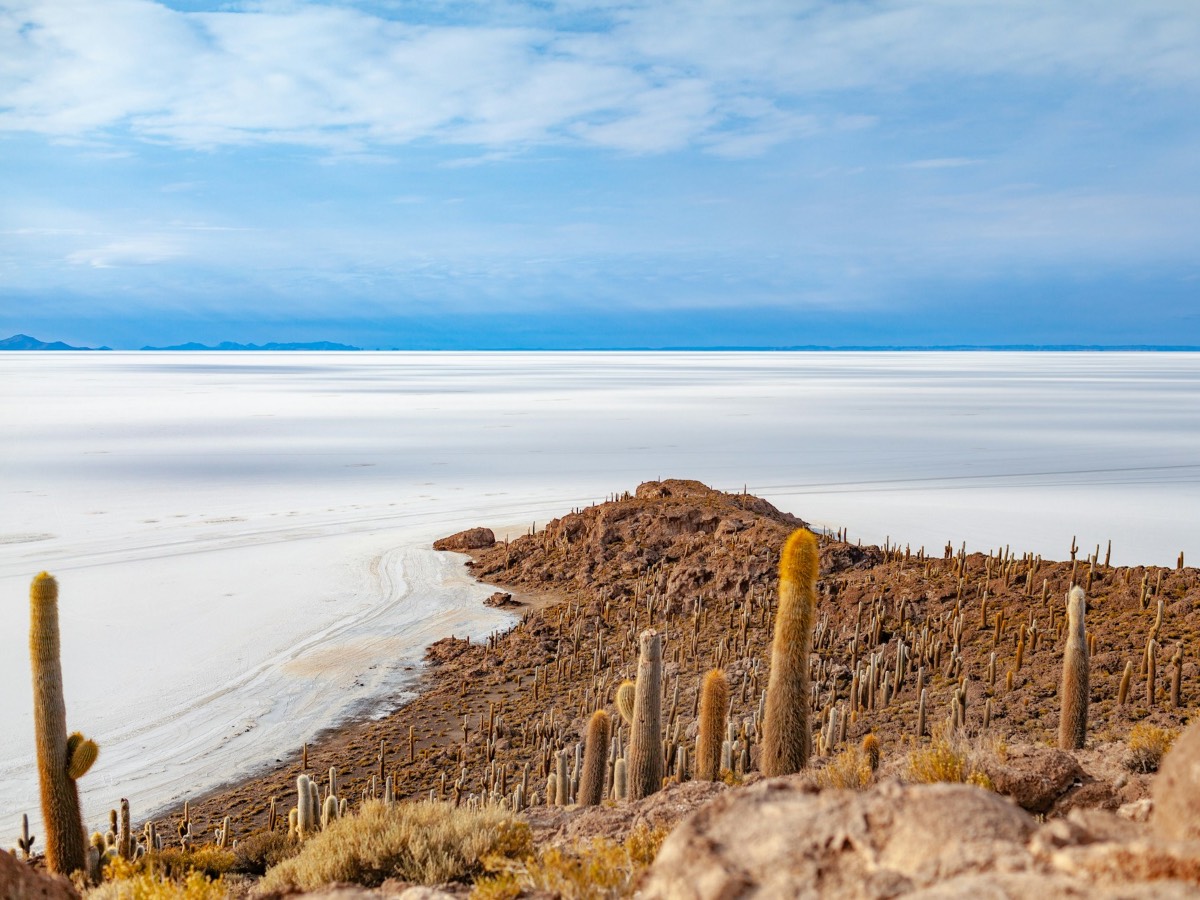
(132, 881)
(600, 869)
(1148, 743)
(849, 770)
(425, 843)
(262, 850)
(172, 864)
(952, 757)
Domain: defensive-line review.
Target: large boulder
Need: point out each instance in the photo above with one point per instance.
(20, 881)
(1176, 790)
(471, 539)
(781, 838)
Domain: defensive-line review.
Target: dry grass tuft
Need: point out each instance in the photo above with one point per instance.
(598, 870)
(262, 850)
(1148, 744)
(425, 843)
(952, 757)
(849, 770)
(135, 881)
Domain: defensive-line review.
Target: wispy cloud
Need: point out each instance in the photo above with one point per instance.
(736, 78)
(138, 251)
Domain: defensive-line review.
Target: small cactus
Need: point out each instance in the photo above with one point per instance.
(591, 784)
(25, 841)
(714, 708)
(624, 700)
(1072, 729)
(306, 823)
(870, 749)
(787, 738)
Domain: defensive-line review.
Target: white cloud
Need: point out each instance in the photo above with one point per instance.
(735, 77)
(138, 251)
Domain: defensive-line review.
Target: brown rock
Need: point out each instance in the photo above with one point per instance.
(1035, 777)
(1176, 790)
(778, 838)
(502, 600)
(471, 539)
(20, 881)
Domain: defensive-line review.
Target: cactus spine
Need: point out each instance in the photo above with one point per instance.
(645, 767)
(787, 740)
(61, 760)
(595, 757)
(1072, 728)
(714, 708)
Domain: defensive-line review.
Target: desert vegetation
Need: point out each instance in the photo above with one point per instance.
(673, 636)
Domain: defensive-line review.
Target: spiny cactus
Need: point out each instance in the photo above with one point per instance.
(61, 760)
(124, 834)
(1072, 728)
(624, 700)
(870, 748)
(306, 823)
(645, 740)
(25, 841)
(591, 783)
(714, 708)
(329, 812)
(787, 739)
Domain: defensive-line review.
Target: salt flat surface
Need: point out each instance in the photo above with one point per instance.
(242, 539)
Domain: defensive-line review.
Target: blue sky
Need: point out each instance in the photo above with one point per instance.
(562, 174)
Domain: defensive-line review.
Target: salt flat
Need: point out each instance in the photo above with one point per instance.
(242, 539)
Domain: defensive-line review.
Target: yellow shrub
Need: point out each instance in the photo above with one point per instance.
(850, 769)
(127, 882)
(598, 870)
(425, 843)
(950, 757)
(1149, 743)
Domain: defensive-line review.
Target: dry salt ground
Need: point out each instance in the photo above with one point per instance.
(242, 539)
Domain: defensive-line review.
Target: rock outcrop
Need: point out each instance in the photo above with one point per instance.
(21, 881)
(783, 838)
(471, 539)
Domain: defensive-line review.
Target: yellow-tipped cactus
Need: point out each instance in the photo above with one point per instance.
(595, 759)
(714, 709)
(624, 700)
(1072, 727)
(645, 739)
(787, 739)
(60, 759)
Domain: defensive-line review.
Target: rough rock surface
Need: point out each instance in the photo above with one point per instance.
(502, 600)
(1035, 777)
(781, 838)
(1176, 790)
(568, 825)
(471, 539)
(20, 881)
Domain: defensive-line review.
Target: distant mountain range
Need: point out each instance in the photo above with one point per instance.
(25, 342)
(230, 345)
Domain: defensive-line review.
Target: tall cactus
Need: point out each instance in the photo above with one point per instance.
(61, 759)
(645, 739)
(787, 739)
(595, 759)
(306, 815)
(1072, 727)
(714, 709)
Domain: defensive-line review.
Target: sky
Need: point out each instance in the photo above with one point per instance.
(615, 174)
